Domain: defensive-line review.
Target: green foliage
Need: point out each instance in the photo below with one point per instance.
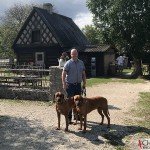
(125, 23)
(12, 21)
(91, 33)
(5, 42)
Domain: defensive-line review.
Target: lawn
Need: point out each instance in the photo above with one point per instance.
(143, 109)
(102, 80)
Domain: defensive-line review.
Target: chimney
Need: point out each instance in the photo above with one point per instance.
(48, 7)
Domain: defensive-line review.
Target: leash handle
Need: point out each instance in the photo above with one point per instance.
(83, 92)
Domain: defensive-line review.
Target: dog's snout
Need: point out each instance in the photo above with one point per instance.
(77, 103)
(58, 99)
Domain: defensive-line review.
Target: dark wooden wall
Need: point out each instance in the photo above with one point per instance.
(86, 58)
(26, 55)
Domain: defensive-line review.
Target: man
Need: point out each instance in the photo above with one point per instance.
(120, 63)
(72, 75)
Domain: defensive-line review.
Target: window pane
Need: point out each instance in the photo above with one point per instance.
(36, 36)
(39, 57)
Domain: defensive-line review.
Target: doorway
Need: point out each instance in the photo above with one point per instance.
(39, 58)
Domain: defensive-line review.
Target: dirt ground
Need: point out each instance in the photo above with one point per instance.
(32, 125)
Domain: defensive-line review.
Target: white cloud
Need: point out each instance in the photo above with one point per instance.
(83, 19)
(75, 9)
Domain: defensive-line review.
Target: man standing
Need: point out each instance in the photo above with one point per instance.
(120, 63)
(72, 75)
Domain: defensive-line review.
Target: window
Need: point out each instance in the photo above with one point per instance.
(39, 57)
(35, 36)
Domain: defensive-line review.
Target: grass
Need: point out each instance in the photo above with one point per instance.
(140, 119)
(104, 80)
(95, 81)
(143, 109)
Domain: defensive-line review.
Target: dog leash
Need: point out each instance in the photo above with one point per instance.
(83, 92)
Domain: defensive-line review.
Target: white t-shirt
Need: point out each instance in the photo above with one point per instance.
(120, 61)
(61, 62)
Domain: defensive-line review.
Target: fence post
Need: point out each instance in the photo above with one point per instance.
(55, 81)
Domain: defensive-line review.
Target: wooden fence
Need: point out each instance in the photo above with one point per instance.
(32, 83)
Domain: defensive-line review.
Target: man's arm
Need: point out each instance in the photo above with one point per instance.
(63, 79)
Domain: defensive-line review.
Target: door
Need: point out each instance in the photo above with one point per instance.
(39, 58)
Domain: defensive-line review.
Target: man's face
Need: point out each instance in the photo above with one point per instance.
(74, 55)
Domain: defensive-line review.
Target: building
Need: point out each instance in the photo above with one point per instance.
(45, 35)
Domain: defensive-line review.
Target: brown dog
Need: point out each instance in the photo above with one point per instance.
(63, 106)
(86, 105)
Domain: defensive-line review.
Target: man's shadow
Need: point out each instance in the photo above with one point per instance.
(98, 134)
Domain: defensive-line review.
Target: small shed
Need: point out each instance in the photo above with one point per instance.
(97, 59)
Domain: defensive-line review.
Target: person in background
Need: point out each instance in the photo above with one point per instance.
(61, 61)
(63, 58)
(120, 64)
(66, 57)
(73, 75)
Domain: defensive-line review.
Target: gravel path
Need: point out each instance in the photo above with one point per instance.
(32, 125)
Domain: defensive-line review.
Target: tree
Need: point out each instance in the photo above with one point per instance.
(11, 23)
(5, 43)
(125, 23)
(91, 34)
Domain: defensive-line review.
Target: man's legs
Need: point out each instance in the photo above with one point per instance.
(77, 92)
(70, 93)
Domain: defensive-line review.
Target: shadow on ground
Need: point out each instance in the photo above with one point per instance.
(21, 134)
(113, 107)
(98, 134)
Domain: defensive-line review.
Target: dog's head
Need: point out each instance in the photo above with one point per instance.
(58, 97)
(78, 99)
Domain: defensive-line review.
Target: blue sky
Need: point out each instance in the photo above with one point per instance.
(75, 9)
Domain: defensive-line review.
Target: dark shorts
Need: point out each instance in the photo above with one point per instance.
(73, 89)
(120, 67)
